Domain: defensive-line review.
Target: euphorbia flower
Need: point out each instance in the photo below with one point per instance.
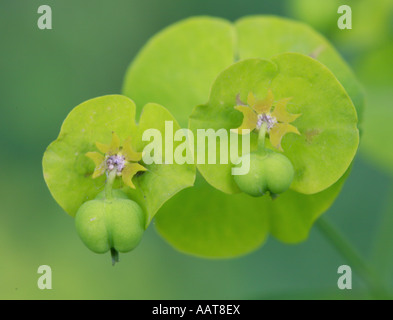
(122, 159)
(273, 115)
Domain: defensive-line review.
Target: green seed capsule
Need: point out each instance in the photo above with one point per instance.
(279, 173)
(269, 172)
(110, 224)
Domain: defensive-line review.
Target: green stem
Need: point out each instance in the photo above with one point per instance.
(115, 256)
(262, 137)
(109, 196)
(353, 258)
(109, 185)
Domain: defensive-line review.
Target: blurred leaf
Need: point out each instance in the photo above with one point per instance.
(322, 15)
(378, 130)
(67, 171)
(370, 20)
(329, 136)
(206, 222)
(178, 65)
(371, 67)
(371, 25)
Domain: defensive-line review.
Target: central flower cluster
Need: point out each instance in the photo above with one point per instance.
(268, 119)
(272, 113)
(117, 162)
(124, 159)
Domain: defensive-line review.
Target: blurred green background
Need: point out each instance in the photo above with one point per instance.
(44, 74)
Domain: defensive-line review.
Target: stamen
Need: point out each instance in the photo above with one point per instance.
(115, 162)
(268, 119)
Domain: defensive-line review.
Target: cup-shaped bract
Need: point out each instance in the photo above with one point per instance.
(326, 138)
(68, 172)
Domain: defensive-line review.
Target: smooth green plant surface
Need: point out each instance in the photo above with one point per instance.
(106, 224)
(177, 68)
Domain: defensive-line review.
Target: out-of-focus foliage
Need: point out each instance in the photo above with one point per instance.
(370, 44)
(371, 21)
(374, 69)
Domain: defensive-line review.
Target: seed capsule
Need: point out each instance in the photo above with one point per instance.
(110, 224)
(269, 172)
